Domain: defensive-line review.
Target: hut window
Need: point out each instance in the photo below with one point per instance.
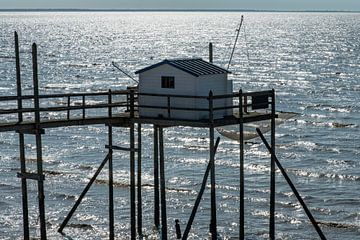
(167, 82)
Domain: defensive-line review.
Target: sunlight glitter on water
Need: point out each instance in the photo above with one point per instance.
(298, 54)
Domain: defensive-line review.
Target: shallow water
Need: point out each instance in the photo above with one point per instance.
(312, 60)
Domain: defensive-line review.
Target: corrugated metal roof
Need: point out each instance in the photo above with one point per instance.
(194, 66)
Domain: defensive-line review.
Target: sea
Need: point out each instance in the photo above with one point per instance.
(312, 60)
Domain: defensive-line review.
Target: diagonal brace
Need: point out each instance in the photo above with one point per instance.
(200, 194)
(292, 186)
(86, 189)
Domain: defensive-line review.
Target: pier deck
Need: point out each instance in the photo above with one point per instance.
(123, 119)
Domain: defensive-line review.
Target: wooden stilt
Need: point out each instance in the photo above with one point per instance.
(242, 178)
(21, 144)
(39, 160)
(111, 181)
(213, 222)
(156, 179)
(272, 170)
(139, 196)
(162, 186)
(132, 171)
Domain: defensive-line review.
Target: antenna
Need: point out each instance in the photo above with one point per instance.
(118, 68)
(237, 36)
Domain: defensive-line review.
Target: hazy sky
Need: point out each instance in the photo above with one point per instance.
(353, 5)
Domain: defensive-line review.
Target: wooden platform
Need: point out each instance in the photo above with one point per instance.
(124, 120)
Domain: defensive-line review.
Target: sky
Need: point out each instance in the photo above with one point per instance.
(296, 5)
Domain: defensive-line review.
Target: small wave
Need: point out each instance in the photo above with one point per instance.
(54, 173)
(7, 57)
(334, 176)
(65, 196)
(327, 124)
(85, 167)
(81, 226)
(339, 225)
(126, 185)
(330, 108)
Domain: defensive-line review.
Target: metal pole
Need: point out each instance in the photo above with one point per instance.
(82, 195)
(39, 160)
(210, 52)
(272, 170)
(22, 144)
(213, 228)
(242, 178)
(139, 196)
(111, 181)
(292, 186)
(200, 194)
(156, 179)
(162, 186)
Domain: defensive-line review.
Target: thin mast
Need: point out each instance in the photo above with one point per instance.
(237, 36)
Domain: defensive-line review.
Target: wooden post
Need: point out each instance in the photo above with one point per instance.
(83, 105)
(22, 144)
(39, 160)
(132, 103)
(139, 196)
(132, 170)
(242, 179)
(68, 111)
(213, 227)
(272, 170)
(162, 186)
(156, 179)
(168, 106)
(111, 181)
(210, 52)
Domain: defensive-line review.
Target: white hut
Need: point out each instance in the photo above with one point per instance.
(190, 77)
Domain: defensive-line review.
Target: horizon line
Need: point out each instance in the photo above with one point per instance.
(162, 10)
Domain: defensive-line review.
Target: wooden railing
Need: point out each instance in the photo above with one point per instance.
(127, 101)
(68, 103)
(248, 101)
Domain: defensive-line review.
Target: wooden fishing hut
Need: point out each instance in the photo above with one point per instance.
(210, 103)
(183, 77)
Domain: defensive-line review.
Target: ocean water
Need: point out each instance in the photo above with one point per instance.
(312, 60)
